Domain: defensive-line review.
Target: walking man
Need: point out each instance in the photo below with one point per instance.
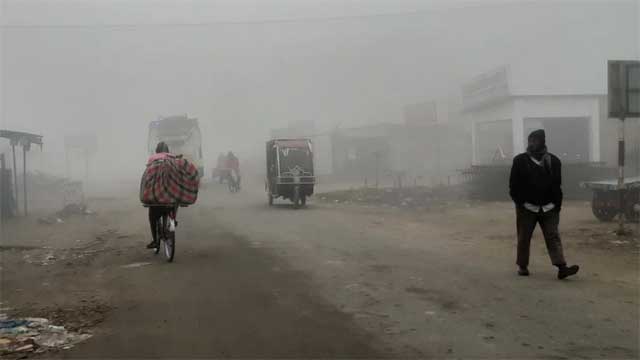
(535, 187)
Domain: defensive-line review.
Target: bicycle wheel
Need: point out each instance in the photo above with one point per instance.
(158, 237)
(169, 241)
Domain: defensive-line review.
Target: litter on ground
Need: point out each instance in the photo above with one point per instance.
(29, 335)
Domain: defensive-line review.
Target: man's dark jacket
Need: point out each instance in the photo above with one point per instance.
(535, 184)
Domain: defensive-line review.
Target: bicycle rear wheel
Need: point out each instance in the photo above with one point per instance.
(169, 241)
(158, 237)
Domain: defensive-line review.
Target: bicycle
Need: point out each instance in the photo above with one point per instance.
(166, 233)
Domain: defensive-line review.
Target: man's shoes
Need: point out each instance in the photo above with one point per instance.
(564, 271)
(153, 245)
(523, 271)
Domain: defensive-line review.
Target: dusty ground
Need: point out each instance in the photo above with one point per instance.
(332, 281)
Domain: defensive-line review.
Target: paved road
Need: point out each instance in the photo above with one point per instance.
(339, 281)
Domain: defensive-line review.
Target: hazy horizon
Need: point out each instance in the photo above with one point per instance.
(242, 68)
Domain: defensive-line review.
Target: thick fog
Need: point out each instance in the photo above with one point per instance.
(108, 68)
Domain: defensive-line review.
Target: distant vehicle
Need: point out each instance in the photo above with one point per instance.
(233, 182)
(220, 172)
(183, 136)
(290, 172)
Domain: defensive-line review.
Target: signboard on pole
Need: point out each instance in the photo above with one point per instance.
(86, 143)
(624, 88)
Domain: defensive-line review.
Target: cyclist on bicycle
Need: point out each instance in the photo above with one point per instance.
(157, 212)
(233, 165)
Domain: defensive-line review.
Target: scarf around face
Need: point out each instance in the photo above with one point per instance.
(540, 154)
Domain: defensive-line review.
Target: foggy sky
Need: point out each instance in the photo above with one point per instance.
(110, 67)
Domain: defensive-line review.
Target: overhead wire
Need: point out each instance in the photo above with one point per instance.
(300, 20)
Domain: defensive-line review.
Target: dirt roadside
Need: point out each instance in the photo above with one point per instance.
(333, 281)
(221, 298)
(441, 282)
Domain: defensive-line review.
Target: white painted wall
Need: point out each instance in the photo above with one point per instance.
(558, 107)
(522, 107)
(498, 112)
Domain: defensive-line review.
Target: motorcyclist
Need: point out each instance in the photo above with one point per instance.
(157, 212)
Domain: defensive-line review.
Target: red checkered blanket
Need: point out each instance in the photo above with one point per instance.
(170, 180)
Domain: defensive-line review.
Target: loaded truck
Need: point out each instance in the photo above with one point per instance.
(183, 136)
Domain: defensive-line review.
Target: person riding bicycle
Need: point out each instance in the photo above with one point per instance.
(157, 212)
(233, 165)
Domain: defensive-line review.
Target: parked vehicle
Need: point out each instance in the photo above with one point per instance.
(606, 198)
(219, 174)
(290, 171)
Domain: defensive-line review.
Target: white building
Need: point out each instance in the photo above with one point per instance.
(505, 106)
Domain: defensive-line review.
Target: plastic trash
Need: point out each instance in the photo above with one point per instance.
(33, 322)
(25, 348)
(35, 335)
(58, 337)
(15, 330)
(7, 324)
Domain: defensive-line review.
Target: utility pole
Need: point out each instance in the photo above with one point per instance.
(86, 169)
(24, 176)
(377, 155)
(621, 187)
(624, 100)
(622, 80)
(3, 200)
(438, 161)
(15, 173)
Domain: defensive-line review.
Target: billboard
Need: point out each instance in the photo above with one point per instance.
(421, 114)
(624, 88)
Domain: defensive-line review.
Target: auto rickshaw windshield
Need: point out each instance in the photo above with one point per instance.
(294, 156)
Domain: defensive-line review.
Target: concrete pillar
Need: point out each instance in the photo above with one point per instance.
(594, 131)
(517, 124)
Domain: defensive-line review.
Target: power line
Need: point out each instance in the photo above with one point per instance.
(421, 12)
(222, 23)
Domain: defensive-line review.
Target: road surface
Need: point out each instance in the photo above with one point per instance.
(330, 281)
